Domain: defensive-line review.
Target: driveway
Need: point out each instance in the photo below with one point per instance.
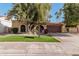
(69, 42)
(69, 46)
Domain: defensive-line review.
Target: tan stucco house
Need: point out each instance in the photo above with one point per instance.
(7, 25)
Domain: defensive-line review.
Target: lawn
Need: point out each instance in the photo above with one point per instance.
(27, 39)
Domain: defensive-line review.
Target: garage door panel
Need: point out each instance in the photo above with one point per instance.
(54, 28)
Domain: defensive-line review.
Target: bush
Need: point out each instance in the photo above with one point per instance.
(15, 30)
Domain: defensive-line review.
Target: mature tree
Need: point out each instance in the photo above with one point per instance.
(32, 13)
(71, 12)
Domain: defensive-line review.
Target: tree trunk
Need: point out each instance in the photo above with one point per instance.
(31, 31)
(39, 31)
(28, 30)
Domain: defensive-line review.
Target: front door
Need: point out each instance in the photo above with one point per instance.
(23, 28)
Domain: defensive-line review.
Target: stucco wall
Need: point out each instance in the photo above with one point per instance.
(71, 29)
(63, 28)
(2, 28)
(17, 24)
(74, 29)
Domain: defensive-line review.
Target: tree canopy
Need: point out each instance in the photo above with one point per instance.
(30, 12)
(71, 12)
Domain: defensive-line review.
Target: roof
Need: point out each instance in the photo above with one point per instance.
(55, 24)
(2, 16)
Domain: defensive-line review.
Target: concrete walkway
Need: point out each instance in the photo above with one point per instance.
(69, 46)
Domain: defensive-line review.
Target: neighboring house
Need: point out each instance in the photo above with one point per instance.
(7, 25)
(4, 24)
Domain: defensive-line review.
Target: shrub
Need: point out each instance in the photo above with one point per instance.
(15, 30)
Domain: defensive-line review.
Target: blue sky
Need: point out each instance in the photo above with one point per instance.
(55, 7)
(4, 7)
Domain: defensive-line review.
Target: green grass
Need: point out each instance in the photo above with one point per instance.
(27, 39)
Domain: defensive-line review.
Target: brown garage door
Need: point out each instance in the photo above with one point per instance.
(54, 29)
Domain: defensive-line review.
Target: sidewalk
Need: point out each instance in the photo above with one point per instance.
(69, 46)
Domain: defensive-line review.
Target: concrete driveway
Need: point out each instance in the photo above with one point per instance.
(69, 46)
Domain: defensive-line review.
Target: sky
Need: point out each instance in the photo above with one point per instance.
(5, 7)
(55, 7)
